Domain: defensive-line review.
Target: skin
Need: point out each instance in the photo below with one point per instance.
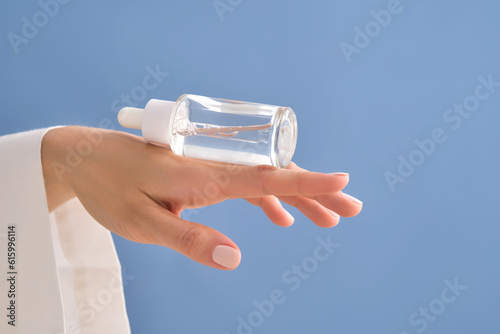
(138, 190)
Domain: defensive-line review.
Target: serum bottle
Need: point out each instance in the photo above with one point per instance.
(218, 129)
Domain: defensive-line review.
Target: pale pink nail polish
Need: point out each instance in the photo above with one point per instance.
(226, 256)
(340, 174)
(333, 213)
(354, 199)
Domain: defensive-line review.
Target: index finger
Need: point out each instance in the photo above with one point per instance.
(256, 181)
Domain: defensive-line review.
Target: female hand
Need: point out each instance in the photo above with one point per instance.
(138, 190)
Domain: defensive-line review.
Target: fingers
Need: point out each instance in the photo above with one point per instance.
(258, 181)
(323, 209)
(273, 210)
(345, 205)
(320, 215)
(196, 241)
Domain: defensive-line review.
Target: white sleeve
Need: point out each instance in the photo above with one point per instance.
(59, 272)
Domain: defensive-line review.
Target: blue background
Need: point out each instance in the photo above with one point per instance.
(359, 117)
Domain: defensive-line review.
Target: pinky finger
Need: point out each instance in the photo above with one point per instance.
(273, 209)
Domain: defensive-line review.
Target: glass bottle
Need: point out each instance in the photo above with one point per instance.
(218, 129)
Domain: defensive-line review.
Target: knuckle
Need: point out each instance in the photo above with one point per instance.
(192, 239)
(261, 173)
(299, 184)
(264, 186)
(223, 192)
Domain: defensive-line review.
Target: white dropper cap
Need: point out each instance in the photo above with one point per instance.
(155, 120)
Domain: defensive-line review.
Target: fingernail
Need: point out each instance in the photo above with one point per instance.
(340, 174)
(289, 215)
(354, 199)
(333, 213)
(226, 256)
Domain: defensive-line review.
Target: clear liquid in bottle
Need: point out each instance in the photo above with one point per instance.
(218, 129)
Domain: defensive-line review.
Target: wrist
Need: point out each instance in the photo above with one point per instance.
(54, 165)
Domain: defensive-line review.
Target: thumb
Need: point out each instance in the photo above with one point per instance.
(196, 241)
